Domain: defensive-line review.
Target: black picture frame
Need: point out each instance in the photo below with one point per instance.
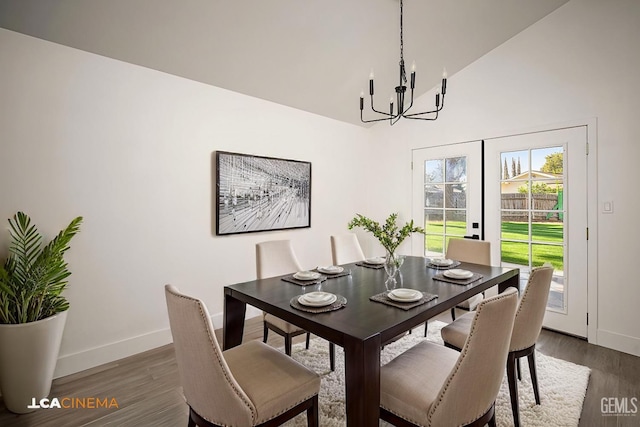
(258, 193)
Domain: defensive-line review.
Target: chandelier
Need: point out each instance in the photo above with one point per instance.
(395, 114)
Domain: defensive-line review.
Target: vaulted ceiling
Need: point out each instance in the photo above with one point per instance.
(314, 55)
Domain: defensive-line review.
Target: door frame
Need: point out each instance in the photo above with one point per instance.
(591, 124)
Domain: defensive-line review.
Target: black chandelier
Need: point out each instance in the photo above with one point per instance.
(392, 116)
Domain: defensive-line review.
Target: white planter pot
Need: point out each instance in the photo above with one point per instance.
(28, 356)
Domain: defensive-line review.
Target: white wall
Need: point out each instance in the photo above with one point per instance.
(132, 150)
(579, 63)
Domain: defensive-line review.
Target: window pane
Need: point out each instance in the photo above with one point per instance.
(433, 221)
(515, 253)
(434, 245)
(433, 171)
(456, 195)
(433, 196)
(547, 253)
(547, 231)
(548, 160)
(514, 164)
(456, 169)
(456, 223)
(515, 225)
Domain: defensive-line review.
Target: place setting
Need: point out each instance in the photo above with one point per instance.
(376, 262)
(333, 271)
(442, 263)
(305, 278)
(318, 302)
(404, 298)
(458, 276)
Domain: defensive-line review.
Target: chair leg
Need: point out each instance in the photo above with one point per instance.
(453, 313)
(308, 340)
(332, 356)
(426, 328)
(513, 388)
(534, 375)
(265, 333)
(492, 421)
(518, 367)
(287, 344)
(191, 423)
(313, 419)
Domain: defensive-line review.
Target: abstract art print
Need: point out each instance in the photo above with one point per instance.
(255, 193)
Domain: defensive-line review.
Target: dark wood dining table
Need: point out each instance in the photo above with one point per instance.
(362, 326)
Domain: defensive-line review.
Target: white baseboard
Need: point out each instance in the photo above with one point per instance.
(619, 342)
(80, 361)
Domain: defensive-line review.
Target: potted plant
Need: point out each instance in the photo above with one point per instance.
(33, 311)
(389, 236)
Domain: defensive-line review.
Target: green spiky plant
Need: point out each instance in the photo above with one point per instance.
(34, 276)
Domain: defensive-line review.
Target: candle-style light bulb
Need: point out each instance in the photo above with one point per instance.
(413, 67)
(444, 82)
(361, 100)
(371, 75)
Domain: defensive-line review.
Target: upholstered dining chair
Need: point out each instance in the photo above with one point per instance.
(432, 385)
(475, 252)
(276, 258)
(346, 249)
(249, 385)
(526, 330)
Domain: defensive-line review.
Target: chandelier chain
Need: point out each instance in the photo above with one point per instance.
(403, 76)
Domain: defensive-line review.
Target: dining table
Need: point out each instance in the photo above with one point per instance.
(361, 326)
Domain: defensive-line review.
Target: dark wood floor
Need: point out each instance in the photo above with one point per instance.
(146, 386)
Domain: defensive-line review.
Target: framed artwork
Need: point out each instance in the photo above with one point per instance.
(255, 193)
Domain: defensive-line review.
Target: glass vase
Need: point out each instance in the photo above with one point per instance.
(392, 264)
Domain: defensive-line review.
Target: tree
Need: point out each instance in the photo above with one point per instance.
(505, 172)
(553, 163)
(519, 170)
(513, 167)
(538, 188)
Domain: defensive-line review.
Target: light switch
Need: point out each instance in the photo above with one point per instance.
(607, 207)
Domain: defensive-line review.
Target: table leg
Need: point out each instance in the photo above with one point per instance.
(233, 321)
(513, 281)
(362, 378)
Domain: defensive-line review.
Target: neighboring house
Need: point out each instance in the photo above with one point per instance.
(511, 185)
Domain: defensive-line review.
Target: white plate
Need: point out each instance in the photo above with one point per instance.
(317, 299)
(441, 262)
(405, 295)
(332, 269)
(306, 275)
(375, 261)
(457, 273)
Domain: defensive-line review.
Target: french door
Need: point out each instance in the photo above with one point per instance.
(536, 214)
(533, 209)
(447, 194)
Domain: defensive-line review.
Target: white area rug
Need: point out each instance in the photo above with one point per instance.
(562, 385)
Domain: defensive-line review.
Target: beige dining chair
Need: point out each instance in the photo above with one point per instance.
(432, 385)
(252, 384)
(346, 249)
(526, 330)
(475, 252)
(277, 258)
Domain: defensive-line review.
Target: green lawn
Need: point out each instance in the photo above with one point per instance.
(547, 238)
